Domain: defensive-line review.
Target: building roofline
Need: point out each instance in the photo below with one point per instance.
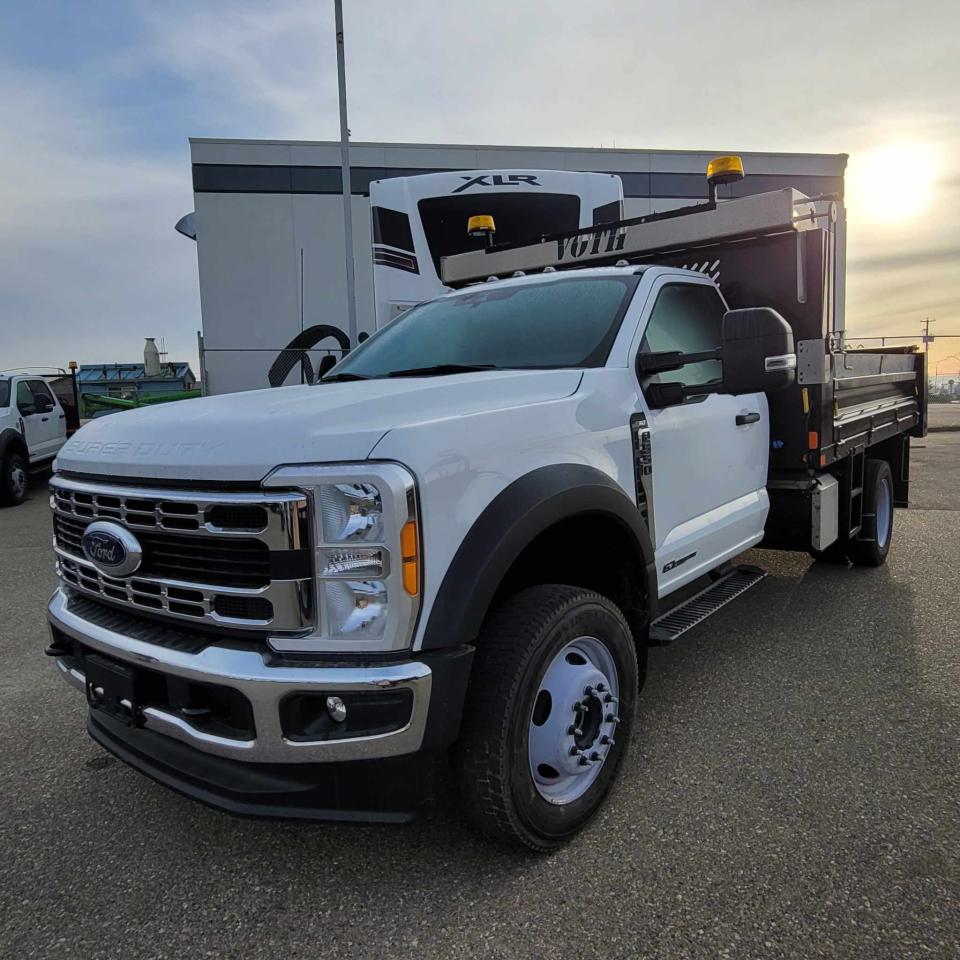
(600, 151)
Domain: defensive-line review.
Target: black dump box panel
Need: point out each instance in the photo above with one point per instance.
(854, 399)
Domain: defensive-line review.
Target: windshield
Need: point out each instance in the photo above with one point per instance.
(4, 392)
(560, 323)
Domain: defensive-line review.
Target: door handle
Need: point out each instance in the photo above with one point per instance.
(44, 419)
(744, 418)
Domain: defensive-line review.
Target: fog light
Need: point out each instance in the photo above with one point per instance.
(337, 709)
(315, 716)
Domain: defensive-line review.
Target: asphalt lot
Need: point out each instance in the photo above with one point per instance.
(944, 416)
(794, 791)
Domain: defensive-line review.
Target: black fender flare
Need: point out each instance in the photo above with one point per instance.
(509, 523)
(8, 437)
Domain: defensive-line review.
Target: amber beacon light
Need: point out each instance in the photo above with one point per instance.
(723, 170)
(482, 227)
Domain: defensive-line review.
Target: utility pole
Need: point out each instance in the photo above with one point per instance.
(927, 340)
(345, 177)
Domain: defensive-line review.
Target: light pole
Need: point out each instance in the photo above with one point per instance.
(345, 177)
(936, 369)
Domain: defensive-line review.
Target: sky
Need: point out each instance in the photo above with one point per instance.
(98, 99)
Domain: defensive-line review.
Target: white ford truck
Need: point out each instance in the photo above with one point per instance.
(33, 427)
(461, 541)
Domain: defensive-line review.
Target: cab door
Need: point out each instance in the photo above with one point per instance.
(53, 420)
(709, 454)
(39, 412)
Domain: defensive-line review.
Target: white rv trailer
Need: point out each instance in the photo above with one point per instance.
(270, 241)
(418, 220)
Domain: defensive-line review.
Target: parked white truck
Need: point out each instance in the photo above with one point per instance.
(33, 427)
(293, 602)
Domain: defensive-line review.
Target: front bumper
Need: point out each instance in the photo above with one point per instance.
(162, 741)
(388, 790)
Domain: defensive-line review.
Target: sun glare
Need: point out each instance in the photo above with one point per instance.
(892, 183)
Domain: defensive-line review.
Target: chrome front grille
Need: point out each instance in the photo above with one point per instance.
(237, 559)
(168, 596)
(269, 516)
(235, 562)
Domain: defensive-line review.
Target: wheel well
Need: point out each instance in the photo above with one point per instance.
(14, 445)
(593, 551)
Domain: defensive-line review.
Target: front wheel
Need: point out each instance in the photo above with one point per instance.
(549, 714)
(13, 479)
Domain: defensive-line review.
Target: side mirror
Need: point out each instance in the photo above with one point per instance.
(757, 350)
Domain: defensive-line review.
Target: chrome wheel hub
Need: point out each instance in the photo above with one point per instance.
(574, 720)
(884, 511)
(18, 480)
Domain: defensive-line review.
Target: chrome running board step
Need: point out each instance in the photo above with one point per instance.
(680, 619)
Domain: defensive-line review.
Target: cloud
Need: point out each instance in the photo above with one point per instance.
(899, 259)
(269, 67)
(94, 165)
(92, 264)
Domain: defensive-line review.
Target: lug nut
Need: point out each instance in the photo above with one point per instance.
(583, 761)
(575, 751)
(610, 718)
(594, 756)
(609, 699)
(600, 688)
(587, 690)
(574, 731)
(607, 741)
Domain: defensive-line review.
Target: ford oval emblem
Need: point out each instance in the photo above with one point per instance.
(112, 549)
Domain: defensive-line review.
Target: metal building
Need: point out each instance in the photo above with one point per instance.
(269, 225)
(127, 379)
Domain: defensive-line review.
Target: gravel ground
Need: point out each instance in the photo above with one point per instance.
(793, 791)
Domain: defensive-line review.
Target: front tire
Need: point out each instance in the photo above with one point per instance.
(13, 479)
(549, 714)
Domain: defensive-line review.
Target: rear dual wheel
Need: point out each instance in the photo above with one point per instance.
(872, 544)
(871, 547)
(549, 714)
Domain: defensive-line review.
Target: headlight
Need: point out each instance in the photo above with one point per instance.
(366, 556)
(351, 512)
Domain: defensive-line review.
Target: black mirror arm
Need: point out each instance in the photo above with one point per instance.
(649, 364)
(661, 395)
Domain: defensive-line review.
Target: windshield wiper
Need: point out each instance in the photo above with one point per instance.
(442, 368)
(342, 377)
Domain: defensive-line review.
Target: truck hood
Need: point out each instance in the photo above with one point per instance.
(243, 436)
